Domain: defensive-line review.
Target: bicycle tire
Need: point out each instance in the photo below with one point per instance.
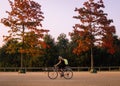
(53, 74)
(68, 73)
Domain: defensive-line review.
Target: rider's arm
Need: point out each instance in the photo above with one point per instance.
(58, 63)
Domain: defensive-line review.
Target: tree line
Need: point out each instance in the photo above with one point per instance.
(92, 42)
(64, 47)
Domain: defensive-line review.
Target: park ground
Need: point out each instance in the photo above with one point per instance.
(41, 79)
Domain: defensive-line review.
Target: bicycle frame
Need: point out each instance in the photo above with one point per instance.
(67, 73)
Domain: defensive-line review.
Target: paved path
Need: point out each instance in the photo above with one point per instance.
(41, 79)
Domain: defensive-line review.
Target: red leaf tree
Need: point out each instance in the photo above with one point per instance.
(94, 29)
(24, 20)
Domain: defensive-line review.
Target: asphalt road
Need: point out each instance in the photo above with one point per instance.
(41, 79)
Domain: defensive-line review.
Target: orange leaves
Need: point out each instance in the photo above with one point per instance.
(94, 28)
(6, 22)
(22, 50)
(44, 45)
(27, 13)
(24, 19)
(108, 44)
(81, 47)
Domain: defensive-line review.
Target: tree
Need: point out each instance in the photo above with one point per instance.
(94, 29)
(62, 44)
(51, 52)
(9, 55)
(25, 16)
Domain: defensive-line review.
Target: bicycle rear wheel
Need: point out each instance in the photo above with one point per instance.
(52, 74)
(68, 73)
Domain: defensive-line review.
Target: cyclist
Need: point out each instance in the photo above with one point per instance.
(61, 64)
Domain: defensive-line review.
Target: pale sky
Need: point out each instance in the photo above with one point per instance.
(58, 15)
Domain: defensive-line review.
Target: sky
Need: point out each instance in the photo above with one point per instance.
(59, 15)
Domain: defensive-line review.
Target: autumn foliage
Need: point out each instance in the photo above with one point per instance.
(94, 28)
(24, 20)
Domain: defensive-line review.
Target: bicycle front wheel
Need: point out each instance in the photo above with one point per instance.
(52, 74)
(68, 73)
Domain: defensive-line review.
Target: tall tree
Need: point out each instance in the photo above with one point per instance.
(94, 29)
(25, 16)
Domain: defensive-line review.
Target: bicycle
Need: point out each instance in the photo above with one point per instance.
(67, 73)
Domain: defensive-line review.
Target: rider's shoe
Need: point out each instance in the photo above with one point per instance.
(61, 75)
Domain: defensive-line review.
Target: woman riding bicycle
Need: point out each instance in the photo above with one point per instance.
(64, 70)
(61, 64)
